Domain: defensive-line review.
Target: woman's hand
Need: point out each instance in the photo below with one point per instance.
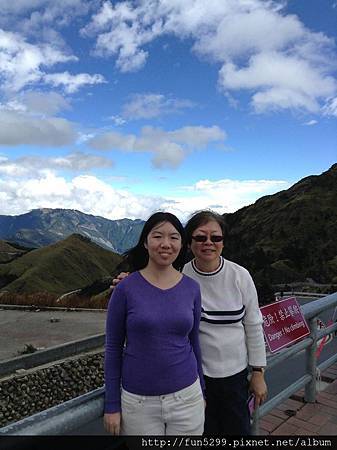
(112, 423)
(258, 387)
(119, 278)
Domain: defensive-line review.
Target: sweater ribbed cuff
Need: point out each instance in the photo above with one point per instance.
(112, 407)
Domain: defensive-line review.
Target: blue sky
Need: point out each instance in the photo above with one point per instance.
(120, 109)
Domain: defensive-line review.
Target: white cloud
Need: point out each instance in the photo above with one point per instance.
(261, 49)
(22, 63)
(240, 32)
(225, 195)
(79, 161)
(36, 102)
(84, 137)
(281, 81)
(150, 105)
(28, 119)
(40, 17)
(198, 136)
(330, 108)
(121, 38)
(22, 7)
(93, 196)
(29, 165)
(13, 105)
(17, 128)
(85, 193)
(48, 189)
(72, 83)
(311, 123)
(117, 120)
(169, 148)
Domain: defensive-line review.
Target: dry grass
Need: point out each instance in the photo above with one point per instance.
(46, 299)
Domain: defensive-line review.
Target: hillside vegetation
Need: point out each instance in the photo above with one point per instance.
(9, 252)
(70, 264)
(289, 236)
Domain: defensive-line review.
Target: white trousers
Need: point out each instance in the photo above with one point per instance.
(179, 413)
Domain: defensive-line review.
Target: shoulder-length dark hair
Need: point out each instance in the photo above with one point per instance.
(201, 218)
(138, 256)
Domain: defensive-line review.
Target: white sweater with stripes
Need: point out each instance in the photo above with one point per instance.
(231, 335)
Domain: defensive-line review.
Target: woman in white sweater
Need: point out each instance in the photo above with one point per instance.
(230, 332)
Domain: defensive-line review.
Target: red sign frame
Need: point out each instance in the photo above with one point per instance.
(283, 323)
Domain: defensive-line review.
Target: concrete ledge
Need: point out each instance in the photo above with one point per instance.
(49, 308)
(51, 354)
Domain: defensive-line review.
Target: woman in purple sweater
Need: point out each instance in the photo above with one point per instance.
(153, 374)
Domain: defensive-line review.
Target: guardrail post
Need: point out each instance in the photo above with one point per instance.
(311, 363)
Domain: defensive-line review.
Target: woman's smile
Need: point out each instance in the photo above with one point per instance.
(207, 254)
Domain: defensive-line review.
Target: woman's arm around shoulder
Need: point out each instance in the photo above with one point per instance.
(118, 278)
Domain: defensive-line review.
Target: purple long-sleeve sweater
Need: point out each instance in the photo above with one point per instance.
(160, 328)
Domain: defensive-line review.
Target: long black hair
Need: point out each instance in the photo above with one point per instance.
(138, 256)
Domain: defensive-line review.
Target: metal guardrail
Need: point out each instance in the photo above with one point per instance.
(52, 354)
(308, 381)
(71, 415)
(298, 294)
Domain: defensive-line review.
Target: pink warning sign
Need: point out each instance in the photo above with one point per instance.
(283, 323)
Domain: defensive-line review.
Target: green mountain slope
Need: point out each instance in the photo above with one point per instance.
(289, 236)
(9, 252)
(70, 264)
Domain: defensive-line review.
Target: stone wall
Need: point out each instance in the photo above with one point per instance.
(32, 391)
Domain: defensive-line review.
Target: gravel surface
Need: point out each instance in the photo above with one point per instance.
(28, 392)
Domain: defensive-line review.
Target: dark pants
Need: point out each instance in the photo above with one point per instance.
(227, 412)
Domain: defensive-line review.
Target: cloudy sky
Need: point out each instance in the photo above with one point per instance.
(122, 108)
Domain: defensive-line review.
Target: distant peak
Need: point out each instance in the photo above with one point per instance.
(46, 210)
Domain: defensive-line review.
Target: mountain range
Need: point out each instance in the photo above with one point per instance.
(41, 227)
(288, 237)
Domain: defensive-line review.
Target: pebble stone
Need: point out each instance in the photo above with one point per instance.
(47, 387)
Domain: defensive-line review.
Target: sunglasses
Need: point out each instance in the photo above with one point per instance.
(203, 238)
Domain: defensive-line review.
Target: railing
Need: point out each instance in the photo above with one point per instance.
(280, 295)
(78, 412)
(52, 354)
(311, 311)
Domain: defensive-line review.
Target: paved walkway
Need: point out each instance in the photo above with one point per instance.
(44, 329)
(294, 417)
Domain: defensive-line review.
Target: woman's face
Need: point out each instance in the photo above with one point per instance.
(208, 251)
(163, 244)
